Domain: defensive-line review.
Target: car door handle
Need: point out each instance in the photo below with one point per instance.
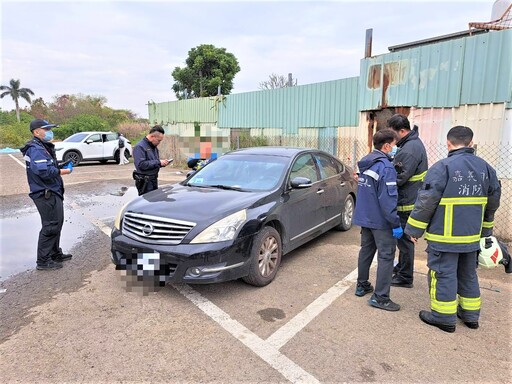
(320, 191)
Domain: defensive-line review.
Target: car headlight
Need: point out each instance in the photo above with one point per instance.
(119, 217)
(222, 230)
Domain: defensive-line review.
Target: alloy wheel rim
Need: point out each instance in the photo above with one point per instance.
(268, 256)
(348, 212)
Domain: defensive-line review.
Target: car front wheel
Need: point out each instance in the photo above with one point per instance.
(346, 214)
(266, 255)
(73, 156)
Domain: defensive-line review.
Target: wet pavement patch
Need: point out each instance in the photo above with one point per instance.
(271, 314)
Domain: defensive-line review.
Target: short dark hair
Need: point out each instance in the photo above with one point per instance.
(460, 135)
(157, 128)
(384, 136)
(398, 122)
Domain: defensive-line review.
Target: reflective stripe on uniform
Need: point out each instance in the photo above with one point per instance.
(452, 239)
(488, 224)
(391, 183)
(405, 208)
(443, 307)
(417, 223)
(449, 204)
(418, 177)
(374, 175)
(470, 303)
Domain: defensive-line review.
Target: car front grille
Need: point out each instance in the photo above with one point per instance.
(155, 229)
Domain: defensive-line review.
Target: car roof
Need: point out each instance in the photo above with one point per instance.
(90, 132)
(271, 151)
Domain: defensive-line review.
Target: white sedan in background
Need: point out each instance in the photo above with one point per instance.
(91, 146)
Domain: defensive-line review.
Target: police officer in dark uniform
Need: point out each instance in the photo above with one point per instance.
(411, 165)
(47, 191)
(147, 160)
(455, 208)
(376, 214)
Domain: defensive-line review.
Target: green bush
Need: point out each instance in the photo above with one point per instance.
(14, 135)
(81, 123)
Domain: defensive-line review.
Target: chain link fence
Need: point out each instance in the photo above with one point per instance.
(350, 150)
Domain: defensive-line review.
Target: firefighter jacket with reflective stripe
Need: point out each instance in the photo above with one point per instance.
(377, 193)
(411, 166)
(456, 204)
(42, 168)
(146, 158)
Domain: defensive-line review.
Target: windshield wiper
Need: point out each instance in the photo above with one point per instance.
(228, 187)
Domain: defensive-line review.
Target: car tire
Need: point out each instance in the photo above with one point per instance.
(347, 214)
(266, 253)
(73, 156)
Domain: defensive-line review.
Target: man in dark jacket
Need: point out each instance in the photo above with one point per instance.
(47, 191)
(147, 160)
(411, 165)
(455, 207)
(376, 213)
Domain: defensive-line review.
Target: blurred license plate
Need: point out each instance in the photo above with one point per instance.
(149, 261)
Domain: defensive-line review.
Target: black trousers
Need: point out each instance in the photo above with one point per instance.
(51, 210)
(145, 185)
(382, 241)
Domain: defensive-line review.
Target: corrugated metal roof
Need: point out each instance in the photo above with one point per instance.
(327, 104)
(184, 111)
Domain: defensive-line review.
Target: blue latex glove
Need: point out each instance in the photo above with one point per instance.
(398, 232)
(68, 166)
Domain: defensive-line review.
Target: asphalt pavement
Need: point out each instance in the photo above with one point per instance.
(82, 324)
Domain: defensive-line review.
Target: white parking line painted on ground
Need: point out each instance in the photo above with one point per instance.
(19, 162)
(264, 350)
(295, 325)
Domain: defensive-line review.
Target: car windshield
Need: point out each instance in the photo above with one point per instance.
(241, 172)
(76, 138)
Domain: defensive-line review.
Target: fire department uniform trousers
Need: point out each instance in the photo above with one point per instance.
(447, 297)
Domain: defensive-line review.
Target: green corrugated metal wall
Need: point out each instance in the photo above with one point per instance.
(332, 103)
(203, 110)
(470, 70)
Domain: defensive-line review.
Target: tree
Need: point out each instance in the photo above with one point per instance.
(16, 92)
(278, 81)
(207, 69)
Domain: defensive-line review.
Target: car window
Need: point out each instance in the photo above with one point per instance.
(327, 165)
(111, 136)
(96, 138)
(76, 138)
(255, 173)
(304, 166)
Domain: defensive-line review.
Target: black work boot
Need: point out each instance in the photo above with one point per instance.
(469, 324)
(48, 266)
(426, 317)
(62, 257)
(398, 282)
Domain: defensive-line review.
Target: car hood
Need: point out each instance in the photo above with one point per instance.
(192, 203)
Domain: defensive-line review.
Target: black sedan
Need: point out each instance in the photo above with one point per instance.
(236, 217)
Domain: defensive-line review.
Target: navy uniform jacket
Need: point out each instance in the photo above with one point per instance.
(377, 193)
(456, 204)
(42, 168)
(146, 158)
(411, 165)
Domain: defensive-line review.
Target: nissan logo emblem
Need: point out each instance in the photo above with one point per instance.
(147, 230)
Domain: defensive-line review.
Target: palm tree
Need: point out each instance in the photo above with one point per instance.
(16, 92)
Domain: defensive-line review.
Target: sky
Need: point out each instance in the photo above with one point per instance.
(127, 50)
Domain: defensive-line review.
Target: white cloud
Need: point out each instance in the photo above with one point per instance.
(126, 50)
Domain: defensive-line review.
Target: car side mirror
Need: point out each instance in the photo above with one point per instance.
(89, 141)
(300, 182)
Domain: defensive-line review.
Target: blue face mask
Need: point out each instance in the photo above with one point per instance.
(393, 151)
(48, 135)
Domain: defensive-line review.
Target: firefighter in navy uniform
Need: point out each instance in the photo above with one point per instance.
(411, 166)
(147, 160)
(455, 208)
